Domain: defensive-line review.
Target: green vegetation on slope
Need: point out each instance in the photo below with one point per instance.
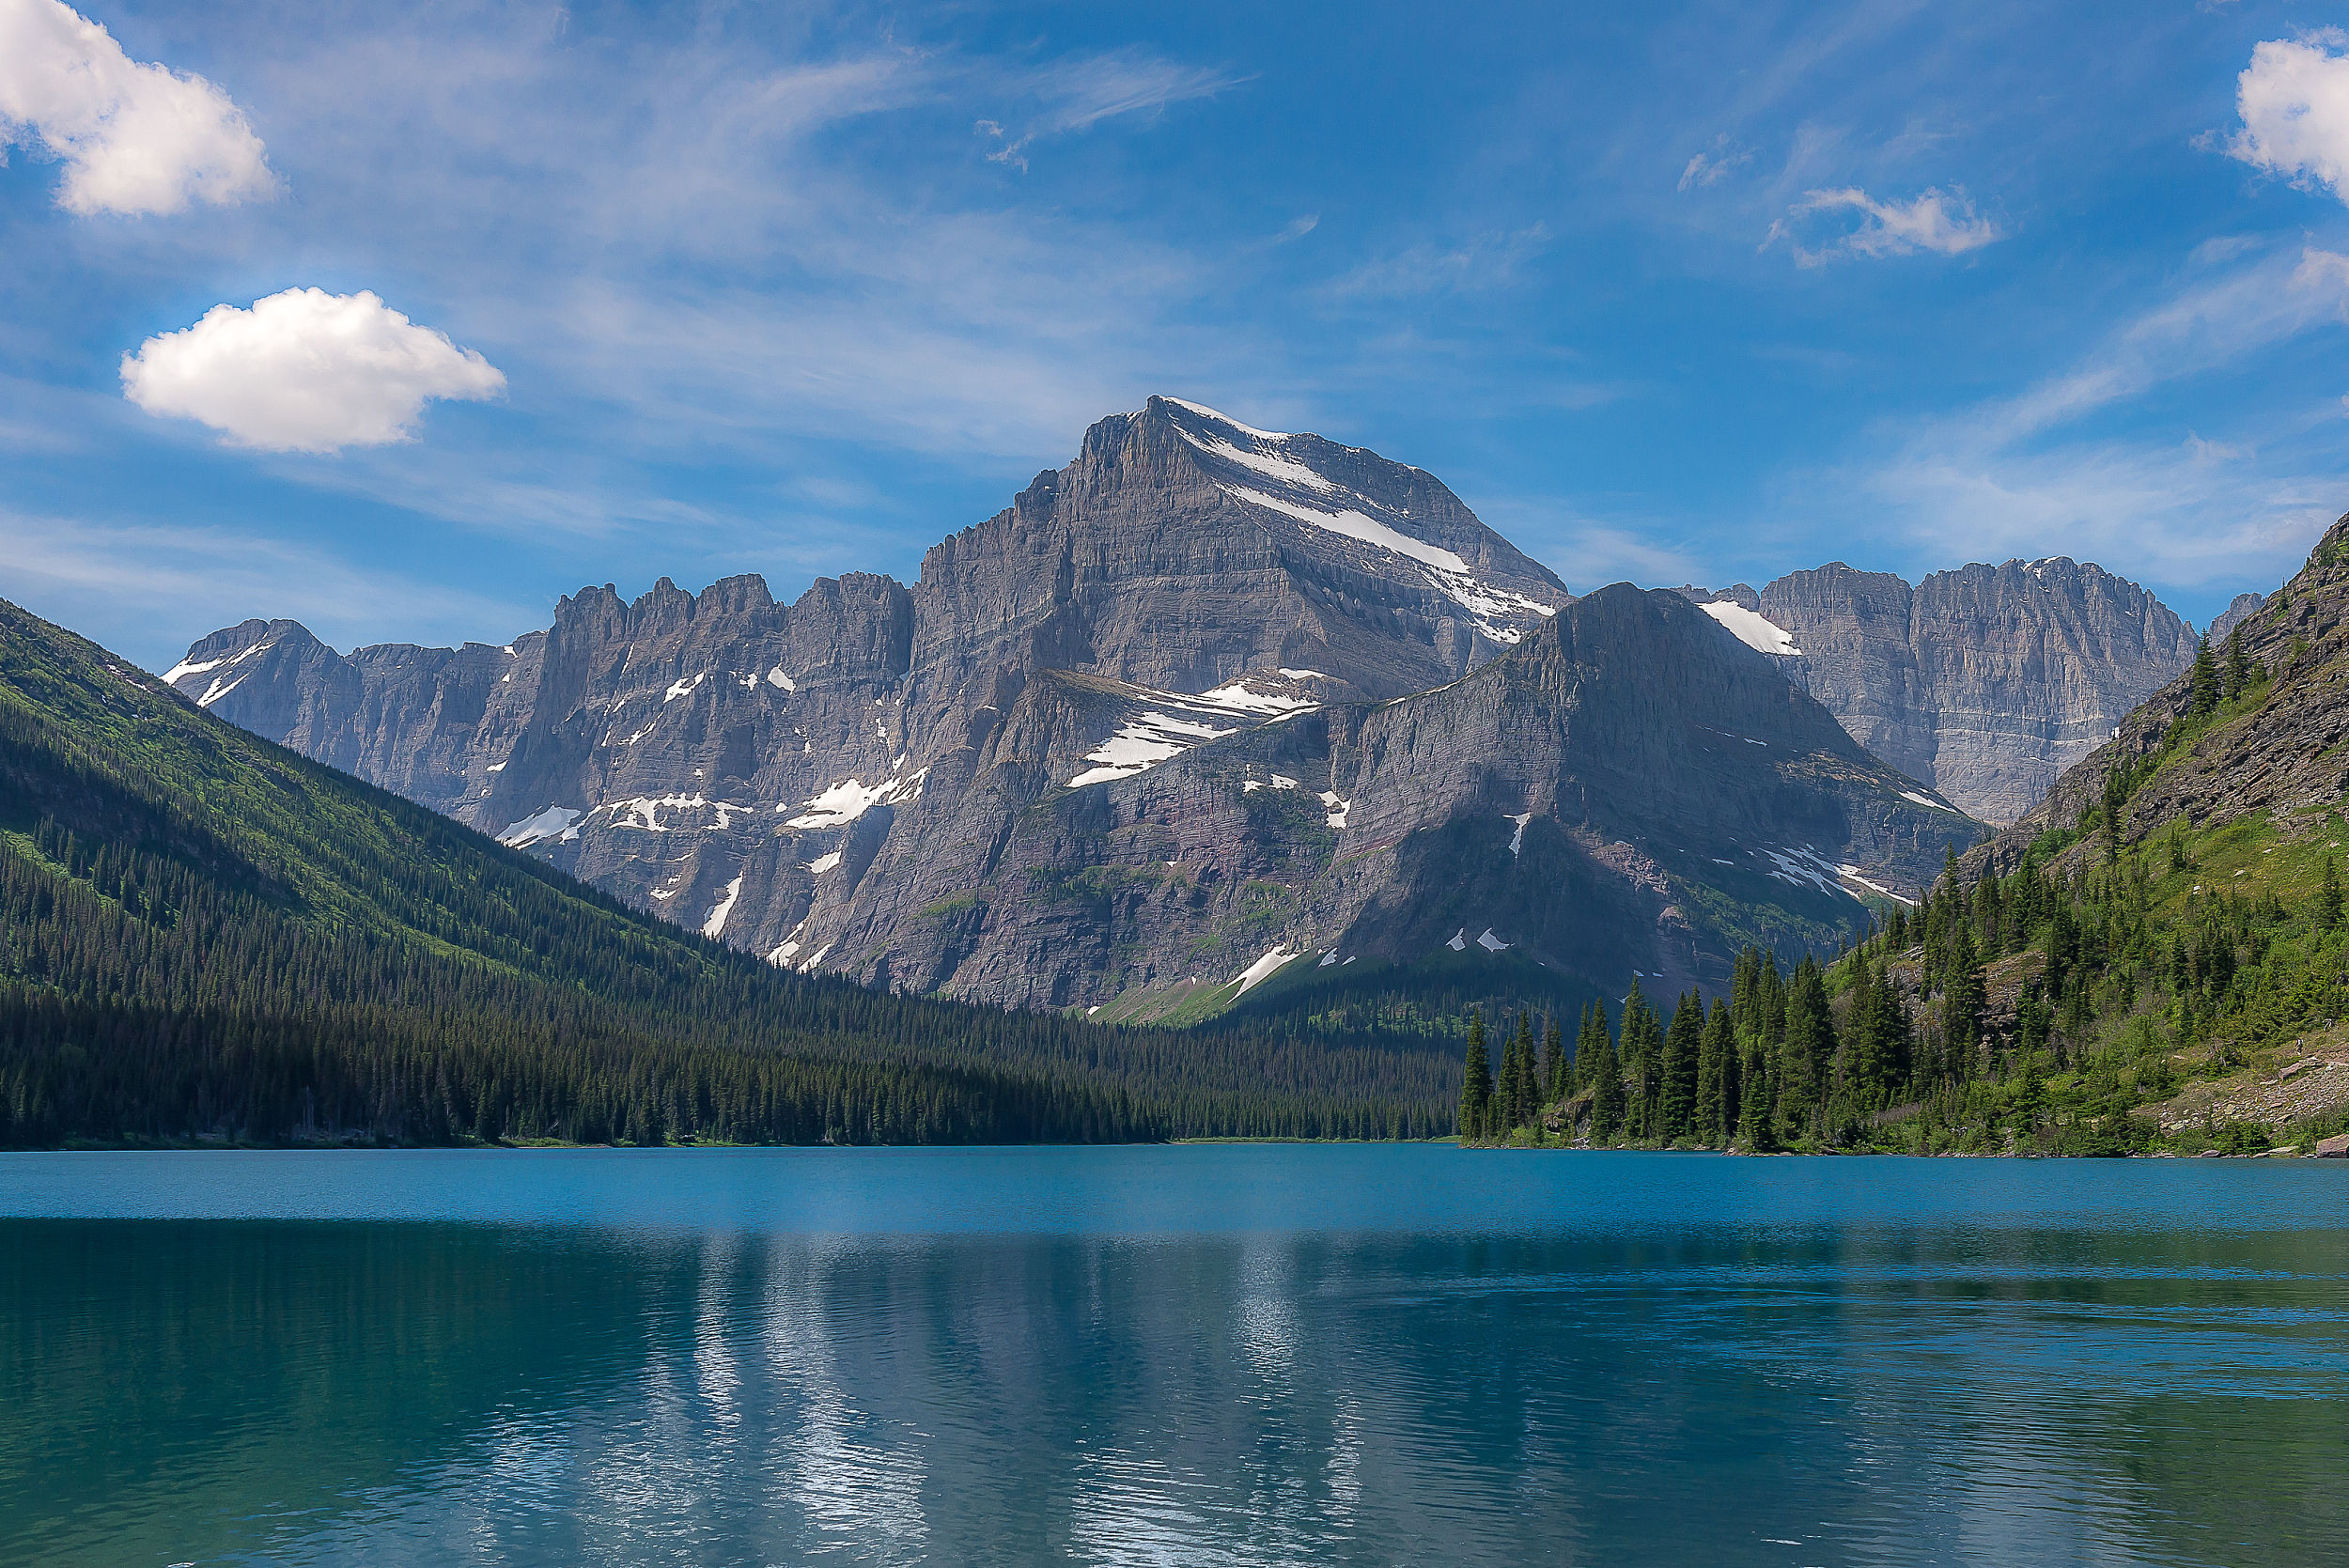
(2072, 1008)
(203, 934)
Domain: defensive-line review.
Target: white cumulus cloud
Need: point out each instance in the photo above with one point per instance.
(305, 371)
(133, 138)
(2295, 103)
(1944, 224)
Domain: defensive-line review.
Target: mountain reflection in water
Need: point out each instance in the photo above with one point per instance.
(1233, 1354)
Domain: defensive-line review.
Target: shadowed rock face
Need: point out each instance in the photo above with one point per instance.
(1986, 682)
(1206, 695)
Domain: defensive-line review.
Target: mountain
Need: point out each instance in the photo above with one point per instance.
(1207, 700)
(1986, 682)
(2195, 990)
(2234, 746)
(2238, 610)
(203, 934)
(2156, 958)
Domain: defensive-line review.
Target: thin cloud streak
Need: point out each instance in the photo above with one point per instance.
(2174, 509)
(147, 591)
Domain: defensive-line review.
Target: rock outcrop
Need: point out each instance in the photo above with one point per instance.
(1985, 682)
(1206, 701)
(2238, 611)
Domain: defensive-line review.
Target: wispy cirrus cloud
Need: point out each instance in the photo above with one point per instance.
(1942, 223)
(148, 590)
(1713, 165)
(1484, 261)
(2035, 473)
(1077, 93)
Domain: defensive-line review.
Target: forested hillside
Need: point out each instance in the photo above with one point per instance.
(2169, 969)
(203, 934)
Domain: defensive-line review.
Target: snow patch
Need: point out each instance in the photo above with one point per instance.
(1355, 525)
(1517, 840)
(1328, 958)
(213, 693)
(843, 802)
(724, 907)
(556, 822)
(495, 767)
(645, 810)
(1491, 943)
(1287, 470)
(171, 677)
(822, 864)
(1261, 971)
(1281, 781)
(1851, 873)
(1802, 867)
(1239, 699)
(683, 688)
(1303, 675)
(816, 957)
(1140, 746)
(776, 677)
(1923, 800)
(1751, 627)
(1335, 808)
(1459, 940)
(1205, 412)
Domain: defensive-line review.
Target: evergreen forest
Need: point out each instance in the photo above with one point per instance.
(204, 936)
(2106, 997)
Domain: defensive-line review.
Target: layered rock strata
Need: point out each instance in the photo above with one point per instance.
(1207, 703)
(1986, 682)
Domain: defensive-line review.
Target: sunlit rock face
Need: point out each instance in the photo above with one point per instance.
(1207, 703)
(1985, 683)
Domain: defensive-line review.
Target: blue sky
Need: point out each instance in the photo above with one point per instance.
(1699, 292)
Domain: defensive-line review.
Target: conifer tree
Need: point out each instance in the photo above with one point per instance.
(1642, 1048)
(1476, 1094)
(1588, 1043)
(1607, 1097)
(1717, 1078)
(1528, 1073)
(2327, 910)
(1963, 998)
(1684, 1044)
(2238, 678)
(1809, 1047)
(2205, 678)
(1556, 1083)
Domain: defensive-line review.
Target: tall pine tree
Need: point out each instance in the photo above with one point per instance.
(1476, 1094)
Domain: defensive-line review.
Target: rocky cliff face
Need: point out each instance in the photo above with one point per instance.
(2287, 754)
(2239, 610)
(1203, 703)
(1986, 682)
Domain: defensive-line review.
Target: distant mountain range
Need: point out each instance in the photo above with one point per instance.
(1216, 711)
(206, 936)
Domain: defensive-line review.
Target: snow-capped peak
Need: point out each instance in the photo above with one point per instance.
(1205, 412)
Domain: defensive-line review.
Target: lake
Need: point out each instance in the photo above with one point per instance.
(1235, 1354)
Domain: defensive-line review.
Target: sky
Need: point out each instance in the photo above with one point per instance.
(404, 321)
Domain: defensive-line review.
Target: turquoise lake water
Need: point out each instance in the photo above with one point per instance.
(1245, 1354)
